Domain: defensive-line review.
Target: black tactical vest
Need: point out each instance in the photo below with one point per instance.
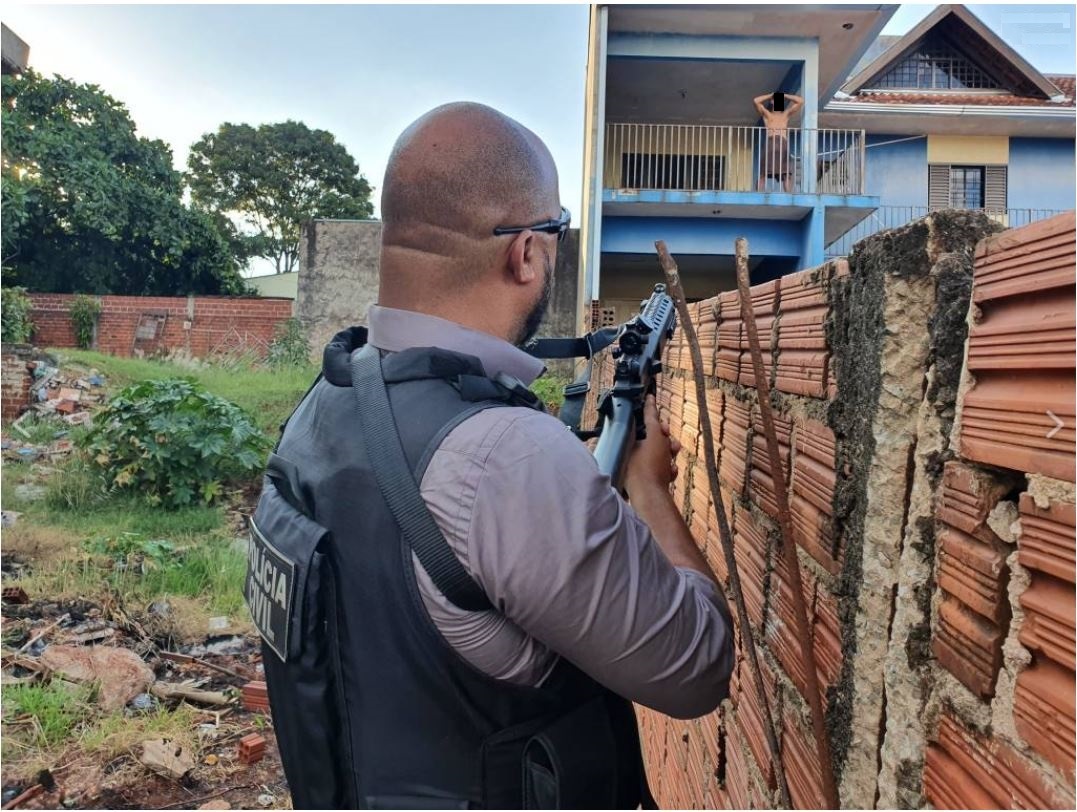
(371, 707)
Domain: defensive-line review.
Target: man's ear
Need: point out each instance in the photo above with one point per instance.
(523, 257)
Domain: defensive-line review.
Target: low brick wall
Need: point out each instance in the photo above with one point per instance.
(15, 379)
(939, 584)
(197, 325)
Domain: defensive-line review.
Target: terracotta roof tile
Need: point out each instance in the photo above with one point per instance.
(1064, 83)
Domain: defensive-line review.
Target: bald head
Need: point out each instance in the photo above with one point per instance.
(454, 175)
(459, 171)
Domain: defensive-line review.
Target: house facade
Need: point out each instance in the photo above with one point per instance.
(947, 115)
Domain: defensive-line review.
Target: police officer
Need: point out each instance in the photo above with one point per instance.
(457, 608)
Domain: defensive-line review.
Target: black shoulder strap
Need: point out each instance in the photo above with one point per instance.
(585, 347)
(399, 489)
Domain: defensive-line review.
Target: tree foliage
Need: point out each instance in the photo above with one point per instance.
(89, 206)
(266, 181)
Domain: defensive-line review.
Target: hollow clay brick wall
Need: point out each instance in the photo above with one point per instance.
(937, 557)
(198, 326)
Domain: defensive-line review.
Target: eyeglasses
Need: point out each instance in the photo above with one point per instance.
(558, 226)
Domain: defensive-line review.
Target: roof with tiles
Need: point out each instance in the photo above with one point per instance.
(1065, 85)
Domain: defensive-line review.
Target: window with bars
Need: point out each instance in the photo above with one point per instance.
(935, 65)
(966, 187)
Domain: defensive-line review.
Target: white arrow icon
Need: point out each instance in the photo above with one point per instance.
(1058, 424)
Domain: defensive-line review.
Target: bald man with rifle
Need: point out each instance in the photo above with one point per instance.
(457, 606)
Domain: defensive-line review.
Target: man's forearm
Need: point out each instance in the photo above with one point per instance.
(658, 510)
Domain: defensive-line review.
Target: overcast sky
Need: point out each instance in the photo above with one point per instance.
(366, 72)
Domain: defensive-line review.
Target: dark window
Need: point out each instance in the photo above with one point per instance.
(647, 170)
(966, 187)
(935, 65)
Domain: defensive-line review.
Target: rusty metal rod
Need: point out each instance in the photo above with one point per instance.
(747, 638)
(789, 550)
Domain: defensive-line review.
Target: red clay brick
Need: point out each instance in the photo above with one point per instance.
(967, 770)
(1021, 351)
(730, 327)
(1044, 712)
(812, 493)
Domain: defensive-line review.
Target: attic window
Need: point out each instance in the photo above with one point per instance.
(935, 65)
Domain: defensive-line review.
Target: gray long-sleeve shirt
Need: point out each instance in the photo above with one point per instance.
(570, 568)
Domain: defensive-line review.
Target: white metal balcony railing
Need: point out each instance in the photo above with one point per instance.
(688, 157)
(887, 217)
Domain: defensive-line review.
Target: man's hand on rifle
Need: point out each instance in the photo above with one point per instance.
(653, 464)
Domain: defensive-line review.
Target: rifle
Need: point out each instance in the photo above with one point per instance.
(637, 360)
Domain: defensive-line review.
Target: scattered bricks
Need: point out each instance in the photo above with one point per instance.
(1021, 351)
(750, 547)
(803, 360)
(255, 697)
(15, 596)
(761, 481)
(252, 748)
(765, 299)
(730, 328)
(966, 770)
(734, 445)
(1044, 712)
(974, 612)
(811, 504)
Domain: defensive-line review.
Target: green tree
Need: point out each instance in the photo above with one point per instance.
(266, 181)
(91, 207)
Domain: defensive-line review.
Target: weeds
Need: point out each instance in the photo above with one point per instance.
(550, 388)
(47, 713)
(41, 429)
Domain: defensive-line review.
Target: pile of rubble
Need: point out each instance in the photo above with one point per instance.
(58, 403)
(82, 643)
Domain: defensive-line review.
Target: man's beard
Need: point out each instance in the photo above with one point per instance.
(538, 312)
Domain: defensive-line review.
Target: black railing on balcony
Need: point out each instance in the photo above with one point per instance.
(886, 217)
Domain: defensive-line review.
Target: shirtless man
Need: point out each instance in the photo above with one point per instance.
(776, 162)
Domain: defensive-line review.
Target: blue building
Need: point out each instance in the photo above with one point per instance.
(945, 116)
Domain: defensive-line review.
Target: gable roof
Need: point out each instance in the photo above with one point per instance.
(1028, 83)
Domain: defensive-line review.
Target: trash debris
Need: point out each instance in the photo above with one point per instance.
(252, 749)
(9, 518)
(211, 760)
(120, 673)
(143, 702)
(265, 799)
(167, 758)
(255, 697)
(15, 596)
(185, 690)
(27, 492)
(219, 624)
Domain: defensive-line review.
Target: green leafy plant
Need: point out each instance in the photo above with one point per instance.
(173, 442)
(133, 550)
(289, 347)
(84, 311)
(15, 323)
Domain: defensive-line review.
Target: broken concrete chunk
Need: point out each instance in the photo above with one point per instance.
(166, 758)
(1003, 520)
(120, 674)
